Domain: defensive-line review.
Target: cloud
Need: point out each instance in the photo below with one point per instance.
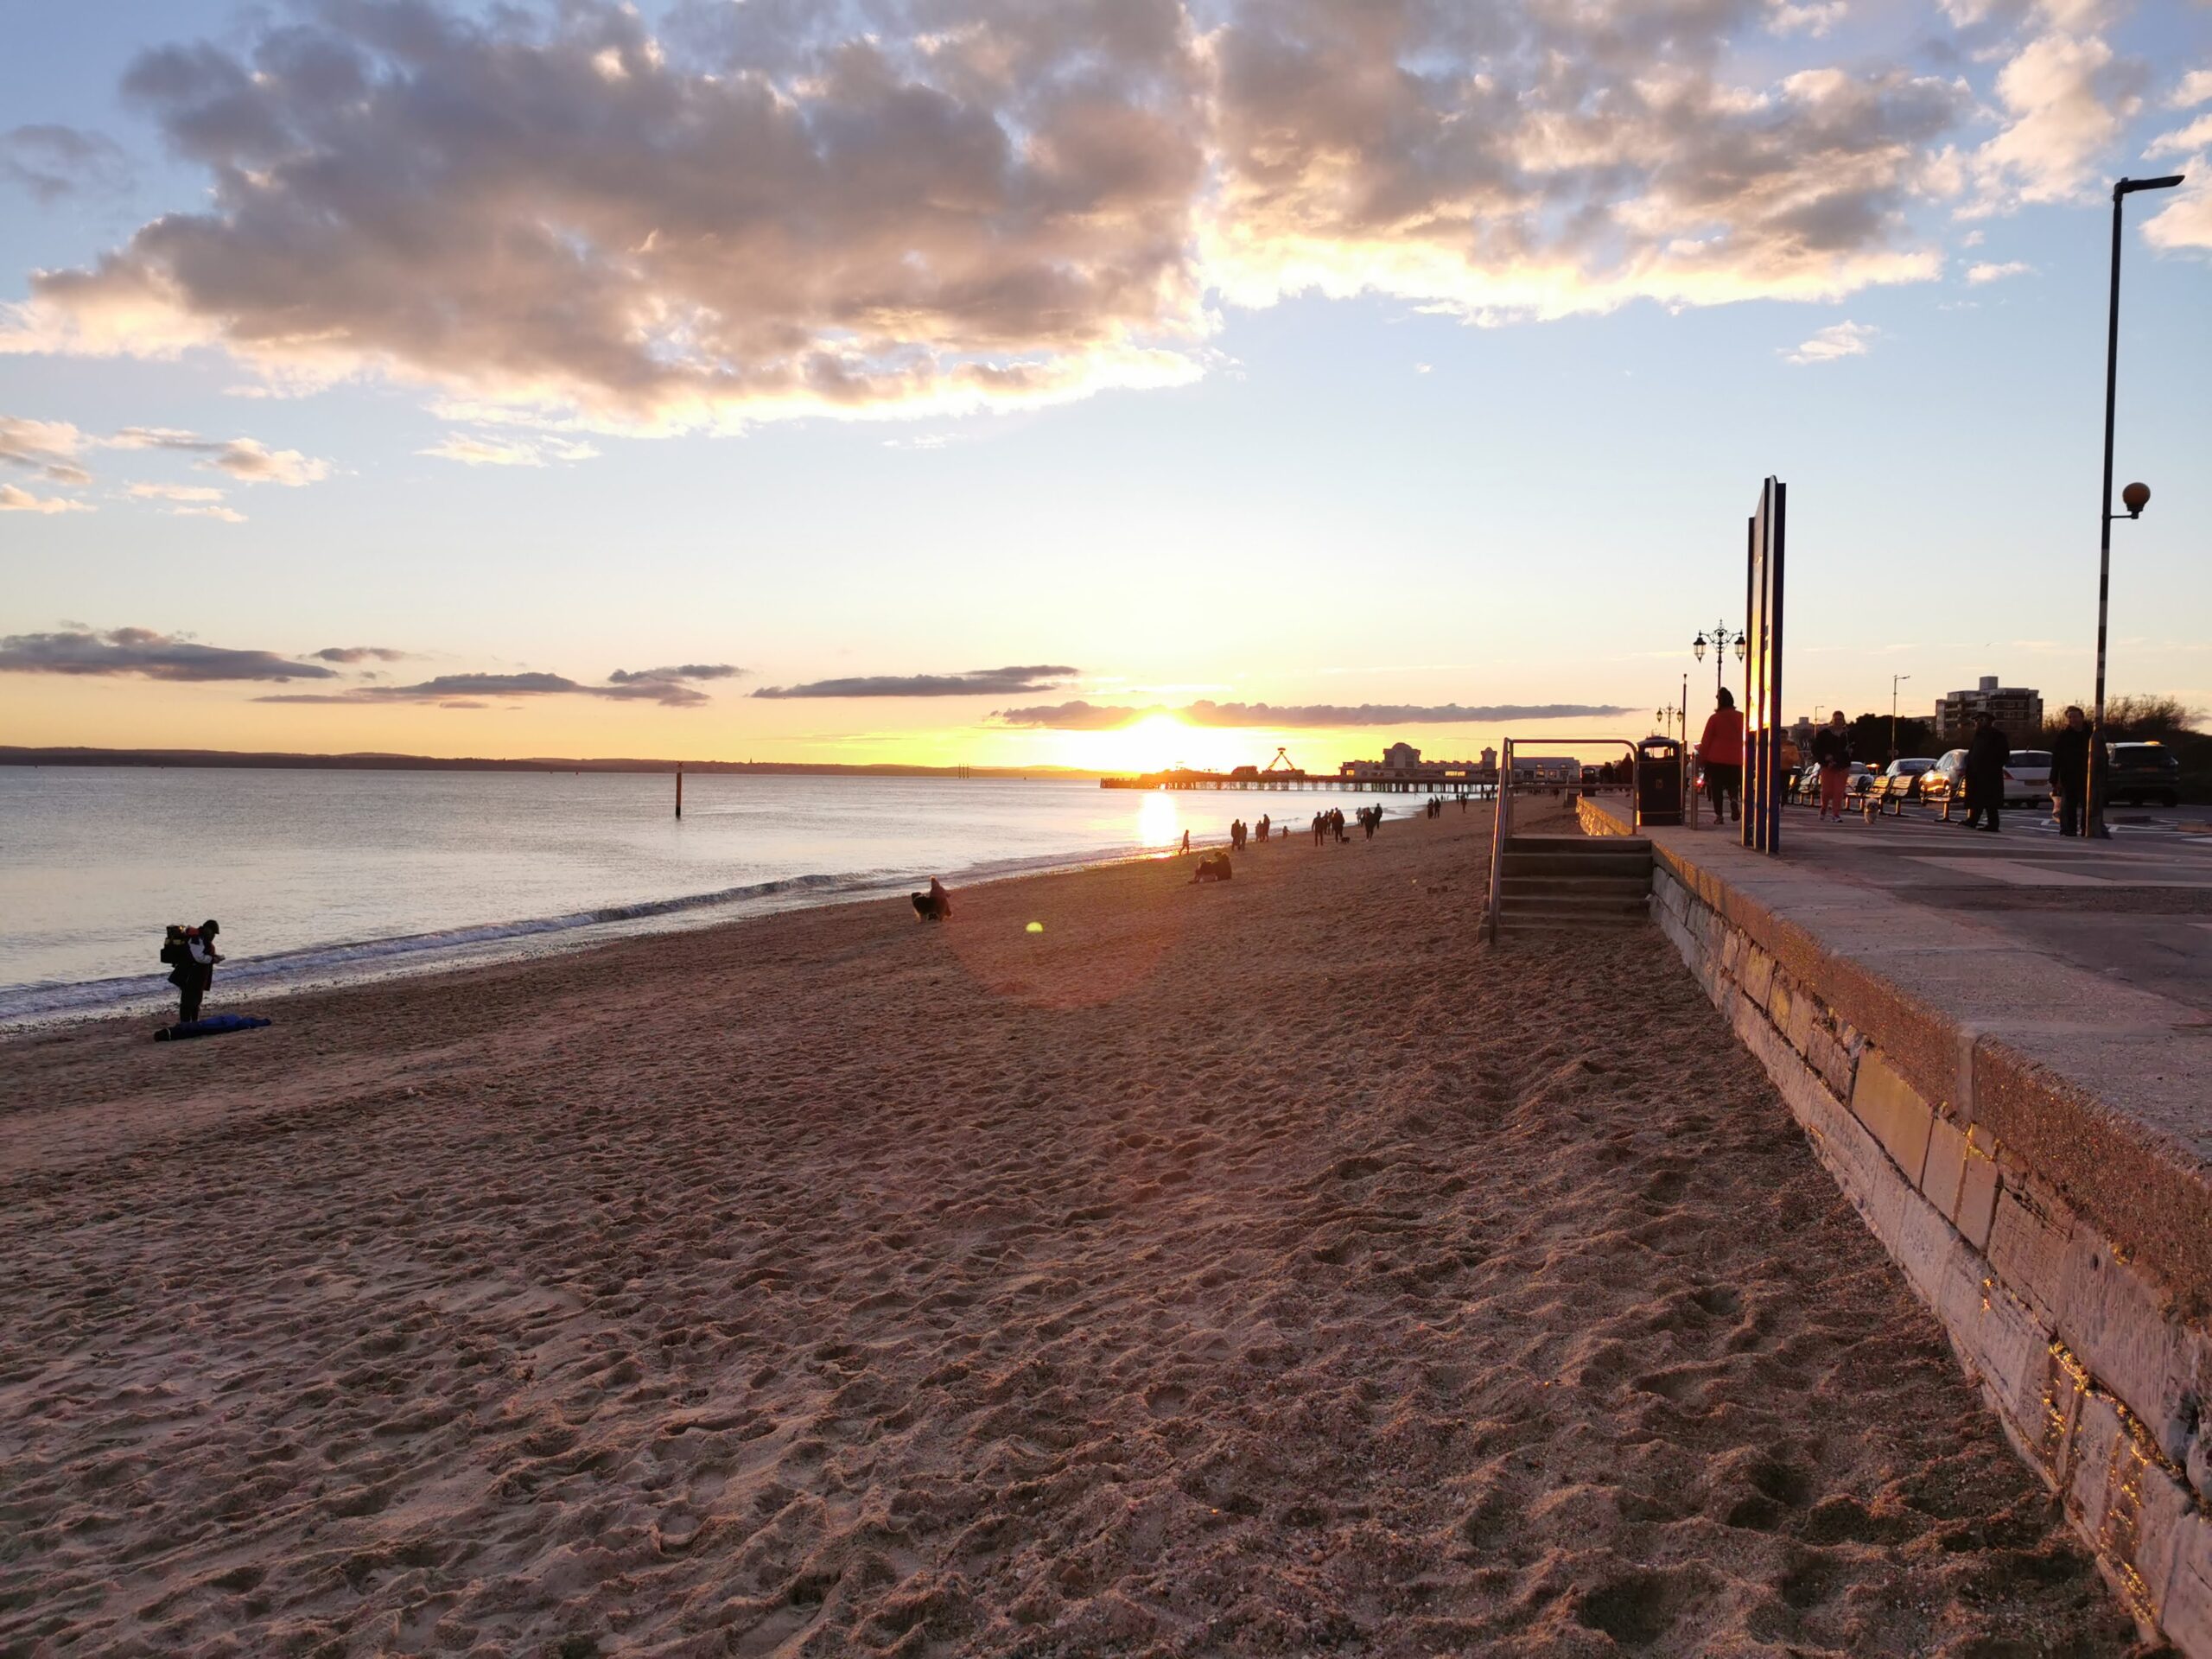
(2066, 95)
(507, 452)
(227, 515)
(1079, 716)
(680, 671)
(51, 161)
(15, 499)
(2194, 88)
(247, 460)
(143, 653)
(1836, 341)
(47, 448)
(2196, 136)
(174, 492)
(912, 207)
(2187, 223)
(975, 682)
(532, 211)
(1987, 272)
(351, 654)
(458, 690)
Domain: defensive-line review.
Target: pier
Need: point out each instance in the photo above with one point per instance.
(1475, 783)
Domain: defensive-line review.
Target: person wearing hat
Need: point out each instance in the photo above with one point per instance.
(1986, 757)
(195, 974)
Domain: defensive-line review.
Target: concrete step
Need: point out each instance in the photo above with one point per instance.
(1579, 865)
(1586, 846)
(1577, 904)
(1513, 883)
(1523, 922)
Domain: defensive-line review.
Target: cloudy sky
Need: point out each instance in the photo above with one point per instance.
(732, 378)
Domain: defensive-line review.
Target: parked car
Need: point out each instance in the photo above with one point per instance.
(1944, 784)
(2027, 777)
(2141, 773)
(1901, 782)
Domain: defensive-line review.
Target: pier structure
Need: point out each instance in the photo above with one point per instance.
(1400, 771)
(1474, 784)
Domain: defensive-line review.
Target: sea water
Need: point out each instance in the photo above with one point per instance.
(322, 877)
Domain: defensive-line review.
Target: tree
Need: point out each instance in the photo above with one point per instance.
(1870, 737)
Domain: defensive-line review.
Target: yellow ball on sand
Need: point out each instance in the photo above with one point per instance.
(1036, 927)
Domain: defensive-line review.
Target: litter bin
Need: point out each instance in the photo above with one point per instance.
(1659, 780)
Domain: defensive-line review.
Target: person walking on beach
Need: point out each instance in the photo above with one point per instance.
(1831, 749)
(1186, 841)
(2069, 771)
(196, 971)
(1986, 754)
(1720, 751)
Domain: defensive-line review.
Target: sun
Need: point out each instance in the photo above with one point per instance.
(1156, 742)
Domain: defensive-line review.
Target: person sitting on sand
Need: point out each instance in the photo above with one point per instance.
(1214, 867)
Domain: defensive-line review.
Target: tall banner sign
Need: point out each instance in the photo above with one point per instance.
(1763, 769)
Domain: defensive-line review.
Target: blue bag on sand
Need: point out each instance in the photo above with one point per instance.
(213, 1025)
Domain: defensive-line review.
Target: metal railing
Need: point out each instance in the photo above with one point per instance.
(1501, 828)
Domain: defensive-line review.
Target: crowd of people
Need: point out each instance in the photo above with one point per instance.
(1981, 778)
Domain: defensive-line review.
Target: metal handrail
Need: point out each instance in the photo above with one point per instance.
(1501, 828)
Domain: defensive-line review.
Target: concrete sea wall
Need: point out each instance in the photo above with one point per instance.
(2064, 1241)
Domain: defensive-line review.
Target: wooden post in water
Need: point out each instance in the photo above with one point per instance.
(679, 790)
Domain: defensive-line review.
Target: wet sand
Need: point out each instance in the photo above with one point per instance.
(1253, 1270)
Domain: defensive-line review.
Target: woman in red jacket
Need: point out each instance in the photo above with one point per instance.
(1720, 752)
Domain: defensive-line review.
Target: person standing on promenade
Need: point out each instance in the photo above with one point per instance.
(2069, 771)
(1720, 751)
(1831, 749)
(1986, 757)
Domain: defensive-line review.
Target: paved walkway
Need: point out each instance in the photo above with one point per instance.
(2136, 909)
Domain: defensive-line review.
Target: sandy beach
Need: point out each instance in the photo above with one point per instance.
(1261, 1268)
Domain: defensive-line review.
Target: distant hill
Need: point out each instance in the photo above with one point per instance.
(12, 755)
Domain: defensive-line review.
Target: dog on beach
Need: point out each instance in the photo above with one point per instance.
(936, 904)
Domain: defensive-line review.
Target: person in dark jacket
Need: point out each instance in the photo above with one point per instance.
(195, 969)
(1831, 749)
(2069, 771)
(1986, 757)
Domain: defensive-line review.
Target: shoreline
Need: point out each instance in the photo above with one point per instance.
(1248, 1268)
(320, 968)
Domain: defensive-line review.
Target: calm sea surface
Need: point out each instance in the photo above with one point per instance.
(323, 876)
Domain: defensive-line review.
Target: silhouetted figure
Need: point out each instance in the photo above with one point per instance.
(191, 949)
(1720, 751)
(2069, 771)
(1986, 753)
(1831, 749)
(936, 904)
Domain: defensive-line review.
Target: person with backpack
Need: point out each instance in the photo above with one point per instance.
(191, 957)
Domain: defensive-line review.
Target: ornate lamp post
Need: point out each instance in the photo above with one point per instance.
(1722, 638)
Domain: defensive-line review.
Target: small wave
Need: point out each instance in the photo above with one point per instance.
(318, 964)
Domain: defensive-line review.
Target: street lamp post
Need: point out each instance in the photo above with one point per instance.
(1722, 638)
(2135, 497)
(1894, 679)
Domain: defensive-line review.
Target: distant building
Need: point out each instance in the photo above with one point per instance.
(1402, 757)
(1547, 769)
(2017, 710)
(1490, 760)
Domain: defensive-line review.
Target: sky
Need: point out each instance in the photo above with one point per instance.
(1102, 383)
